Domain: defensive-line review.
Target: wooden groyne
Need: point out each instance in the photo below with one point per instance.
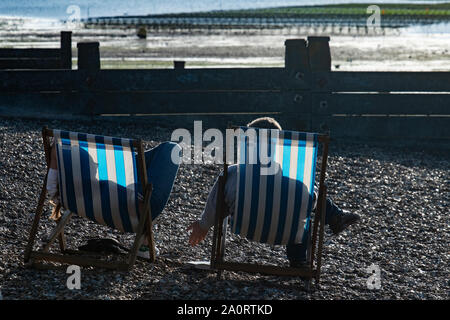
(42, 58)
(303, 95)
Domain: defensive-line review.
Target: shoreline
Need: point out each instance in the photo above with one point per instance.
(404, 50)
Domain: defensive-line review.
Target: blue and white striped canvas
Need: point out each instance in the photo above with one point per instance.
(274, 206)
(98, 178)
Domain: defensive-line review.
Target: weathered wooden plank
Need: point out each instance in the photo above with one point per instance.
(412, 104)
(299, 117)
(154, 80)
(29, 53)
(78, 260)
(429, 127)
(61, 105)
(217, 121)
(30, 63)
(338, 81)
(40, 80)
(17, 104)
(198, 79)
(112, 102)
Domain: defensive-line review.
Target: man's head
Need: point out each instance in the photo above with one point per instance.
(265, 123)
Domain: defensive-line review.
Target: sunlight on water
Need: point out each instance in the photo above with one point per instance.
(437, 28)
(42, 24)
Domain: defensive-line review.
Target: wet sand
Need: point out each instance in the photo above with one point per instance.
(397, 50)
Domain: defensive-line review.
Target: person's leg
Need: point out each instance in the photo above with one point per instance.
(335, 218)
(332, 211)
(296, 254)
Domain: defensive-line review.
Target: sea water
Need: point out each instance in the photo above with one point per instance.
(57, 9)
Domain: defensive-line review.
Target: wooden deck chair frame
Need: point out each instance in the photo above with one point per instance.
(144, 227)
(314, 252)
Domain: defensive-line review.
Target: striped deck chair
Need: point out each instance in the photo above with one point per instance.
(100, 178)
(274, 198)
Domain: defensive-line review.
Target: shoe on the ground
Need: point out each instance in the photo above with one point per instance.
(343, 221)
(144, 252)
(104, 245)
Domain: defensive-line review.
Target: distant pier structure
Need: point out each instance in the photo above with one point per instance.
(330, 24)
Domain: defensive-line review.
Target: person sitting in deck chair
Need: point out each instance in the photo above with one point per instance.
(161, 173)
(335, 218)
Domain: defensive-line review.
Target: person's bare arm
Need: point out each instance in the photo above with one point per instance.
(198, 233)
(52, 177)
(201, 227)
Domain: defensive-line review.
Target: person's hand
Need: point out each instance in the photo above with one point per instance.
(198, 234)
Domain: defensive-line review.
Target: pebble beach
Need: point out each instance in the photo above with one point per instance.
(401, 194)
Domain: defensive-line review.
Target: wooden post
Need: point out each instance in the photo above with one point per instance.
(320, 61)
(88, 56)
(179, 64)
(319, 53)
(296, 55)
(297, 64)
(88, 62)
(66, 49)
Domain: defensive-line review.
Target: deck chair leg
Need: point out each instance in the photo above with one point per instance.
(315, 228)
(307, 282)
(141, 228)
(307, 285)
(149, 228)
(137, 243)
(150, 237)
(222, 239)
(321, 235)
(62, 241)
(37, 218)
(219, 227)
(220, 252)
(58, 230)
(214, 248)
